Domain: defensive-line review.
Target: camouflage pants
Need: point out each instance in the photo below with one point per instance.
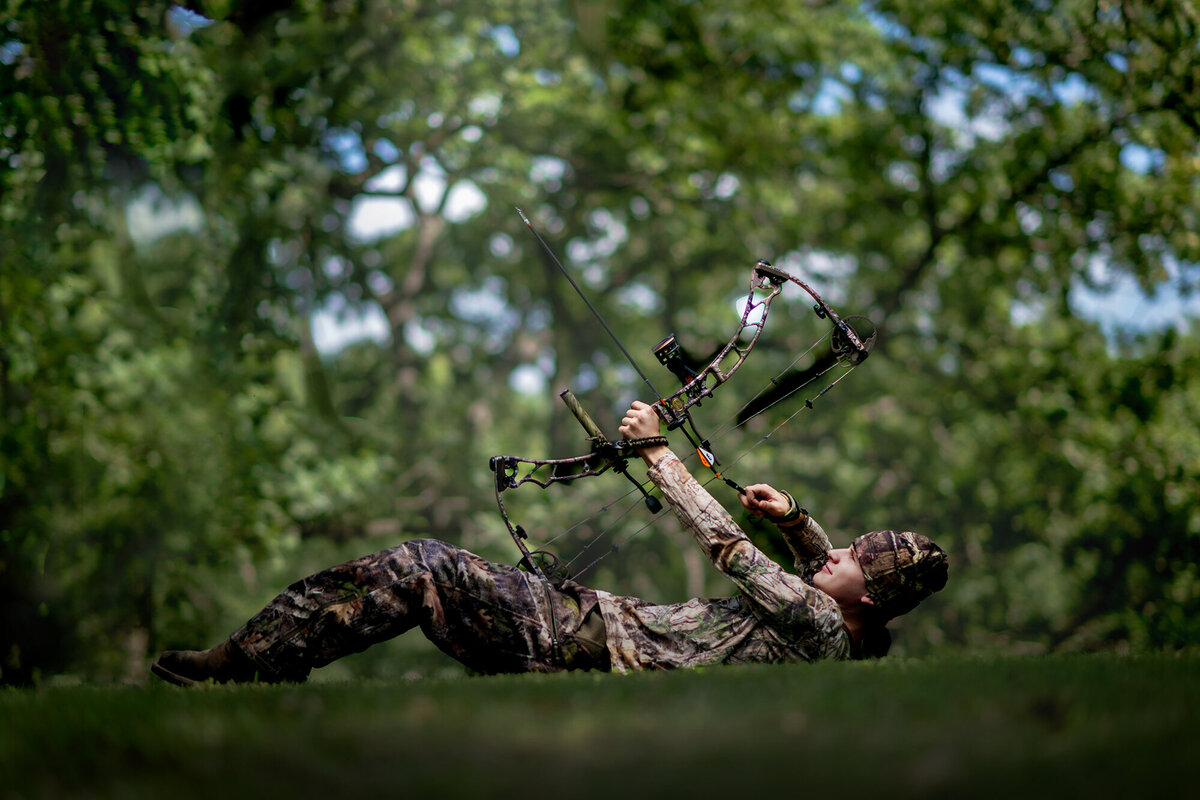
(491, 617)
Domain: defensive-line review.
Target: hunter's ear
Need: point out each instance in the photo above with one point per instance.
(866, 600)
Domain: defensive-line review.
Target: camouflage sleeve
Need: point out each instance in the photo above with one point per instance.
(775, 593)
(807, 541)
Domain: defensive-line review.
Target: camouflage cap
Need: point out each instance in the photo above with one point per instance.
(902, 568)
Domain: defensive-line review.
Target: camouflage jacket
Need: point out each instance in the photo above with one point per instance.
(776, 616)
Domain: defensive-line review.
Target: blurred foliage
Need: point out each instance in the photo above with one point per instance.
(187, 190)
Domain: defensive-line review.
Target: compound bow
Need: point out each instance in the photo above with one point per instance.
(849, 348)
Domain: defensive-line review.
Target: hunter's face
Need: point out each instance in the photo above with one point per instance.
(842, 578)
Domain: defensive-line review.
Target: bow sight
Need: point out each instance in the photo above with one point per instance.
(670, 355)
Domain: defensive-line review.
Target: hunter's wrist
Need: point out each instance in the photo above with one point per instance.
(794, 514)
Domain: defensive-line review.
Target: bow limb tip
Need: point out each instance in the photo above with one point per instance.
(764, 267)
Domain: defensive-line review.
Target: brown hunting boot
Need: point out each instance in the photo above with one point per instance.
(225, 663)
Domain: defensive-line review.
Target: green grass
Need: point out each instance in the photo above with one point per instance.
(1080, 726)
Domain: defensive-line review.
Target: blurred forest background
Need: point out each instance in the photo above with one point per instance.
(266, 304)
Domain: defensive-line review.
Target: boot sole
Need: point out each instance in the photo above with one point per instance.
(170, 677)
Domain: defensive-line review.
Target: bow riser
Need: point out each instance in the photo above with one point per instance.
(674, 408)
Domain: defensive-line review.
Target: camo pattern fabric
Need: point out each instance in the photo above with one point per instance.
(901, 568)
(490, 617)
(776, 617)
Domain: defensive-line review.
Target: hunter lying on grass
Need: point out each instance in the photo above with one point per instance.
(494, 618)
